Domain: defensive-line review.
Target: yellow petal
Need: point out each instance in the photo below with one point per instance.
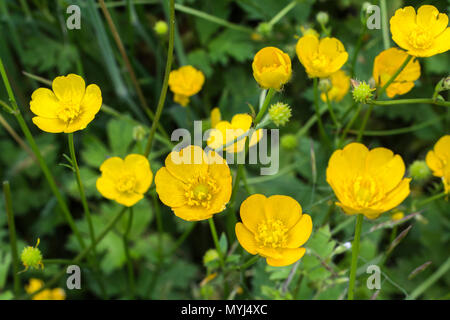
(140, 166)
(49, 125)
(71, 87)
(442, 148)
(300, 232)
(170, 190)
(111, 167)
(388, 168)
(188, 163)
(429, 18)
(129, 199)
(253, 211)
(44, 103)
(284, 208)
(396, 196)
(107, 187)
(192, 213)
(289, 256)
(92, 100)
(245, 238)
(219, 171)
(434, 163)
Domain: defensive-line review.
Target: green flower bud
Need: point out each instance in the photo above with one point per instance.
(280, 113)
(325, 85)
(322, 17)
(161, 27)
(419, 170)
(139, 133)
(210, 255)
(362, 92)
(32, 257)
(289, 142)
(264, 28)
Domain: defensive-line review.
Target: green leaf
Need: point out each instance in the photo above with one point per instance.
(230, 44)
(120, 136)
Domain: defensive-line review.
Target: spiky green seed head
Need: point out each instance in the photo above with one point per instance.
(362, 92)
(280, 113)
(32, 257)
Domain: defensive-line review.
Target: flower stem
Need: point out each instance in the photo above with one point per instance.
(333, 116)
(349, 125)
(431, 199)
(316, 107)
(127, 254)
(385, 27)
(32, 143)
(394, 76)
(283, 12)
(12, 236)
(355, 253)
(443, 269)
(162, 96)
(410, 101)
(264, 107)
(249, 263)
(364, 123)
(212, 226)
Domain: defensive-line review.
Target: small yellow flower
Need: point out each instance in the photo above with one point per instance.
(397, 215)
(125, 181)
(423, 34)
(225, 132)
(194, 184)
(367, 182)
(271, 68)
(387, 63)
(321, 58)
(340, 84)
(70, 107)
(185, 82)
(216, 116)
(46, 294)
(438, 160)
(274, 228)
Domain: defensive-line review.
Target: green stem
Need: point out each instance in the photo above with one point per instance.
(283, 12)
(431, 199)
(249, 263)
(355, 253)
(211, 18)
(358, 47)
(330, 109)
(127, 254)
(443, 269)
(316, 107)
(82, 254)
(264, 107)
(162, 96)
(182, 238)
(394, 76)
(42, 164)
(384, 27)
(364, 123)
(12, 236)
(212, 226)
(410, 101)
(349, 125)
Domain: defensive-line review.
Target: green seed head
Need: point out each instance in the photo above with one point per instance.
(289, 142)
(280, 113)
(419, 170)
(362, 92)
(161, 27)
(32, 257)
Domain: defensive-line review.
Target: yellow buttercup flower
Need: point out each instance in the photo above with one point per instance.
(184, 83)
(321, 58)
(125, 181)
(225, 132)
(70, 107)
(385, 66)
(194, 184)
(216, 117)
(46, 294)
(367, 182)
(271, 68)
(423, 34)
(274, 228)
(438, 160)
(340, 84)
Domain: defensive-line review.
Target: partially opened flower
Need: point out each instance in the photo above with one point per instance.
(274, 227)
(225, 132)
(321, 58)
(385, 66)
(423, 34)
(340, 84)
(184, 83)
(216, 117)
(70, 107)
(271, 68)
(438, 160)
(125, 181)
(367, 182)
(194, 184)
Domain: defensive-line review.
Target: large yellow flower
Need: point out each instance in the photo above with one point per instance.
(274, 228)
(225, 132)
(367, 182)
(271, 68)
(387, 63)
(194, 184)
(423, 34)
(340, 84)
(46, 294)
(438, 160)
(68, 108)
(185, 82)
(321, 58)
(125, 181)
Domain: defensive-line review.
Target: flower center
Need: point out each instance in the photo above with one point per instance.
(199, 191)
(69, 111)
(126, 183)
(366, 191)
(319, 62)
(271, 233)
(420, 39)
